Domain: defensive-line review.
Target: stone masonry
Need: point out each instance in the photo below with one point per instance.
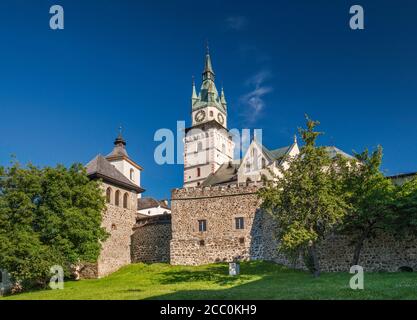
(220, 205)
(151, 238)
(118, 222)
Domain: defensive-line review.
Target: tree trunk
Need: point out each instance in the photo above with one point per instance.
(358, 249)
(313, 254)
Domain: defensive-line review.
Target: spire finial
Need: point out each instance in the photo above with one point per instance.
(295, 138)
(207, 47)
(119, 140)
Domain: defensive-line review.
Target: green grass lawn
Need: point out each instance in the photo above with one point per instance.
(258, 280)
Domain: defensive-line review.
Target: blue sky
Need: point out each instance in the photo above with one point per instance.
(64, 93)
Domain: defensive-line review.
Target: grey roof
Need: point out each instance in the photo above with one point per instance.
(148, 202)
(100, 168)
(333, 151)
(227, 173)
(276, 153)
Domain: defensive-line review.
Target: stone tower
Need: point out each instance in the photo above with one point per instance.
(208, 143)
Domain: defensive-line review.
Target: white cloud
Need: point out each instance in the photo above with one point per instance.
(236, 22)
(254, 99)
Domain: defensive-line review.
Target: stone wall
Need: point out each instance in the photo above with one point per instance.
(219, 206)
(151, 238)
(118, 222)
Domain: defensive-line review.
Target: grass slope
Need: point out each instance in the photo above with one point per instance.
(258, 280)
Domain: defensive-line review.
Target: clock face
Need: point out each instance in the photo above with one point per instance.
(200, 115)
(220, 118)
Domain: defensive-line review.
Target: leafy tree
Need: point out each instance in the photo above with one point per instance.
(48, 216)
(306, 200)
(371, 197)
(405, 221)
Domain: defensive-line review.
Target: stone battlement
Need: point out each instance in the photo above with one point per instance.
(216, 191)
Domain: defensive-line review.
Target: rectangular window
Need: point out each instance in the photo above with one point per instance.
(239, 222)
(202, 225)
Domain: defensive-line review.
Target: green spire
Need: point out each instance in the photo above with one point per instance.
(223, 98)
(208, 68)
(194, 94)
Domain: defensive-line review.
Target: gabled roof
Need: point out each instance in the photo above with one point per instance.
(148, 202)
(227, 173)
(275, 154)
(100, 168)
(333, 151)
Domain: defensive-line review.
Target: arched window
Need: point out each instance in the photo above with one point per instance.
(108, 195)
(223, 148)
(198, 172)
(117, 198)
(125, 200)
(132, 174)
(199, 146)
(211, 114)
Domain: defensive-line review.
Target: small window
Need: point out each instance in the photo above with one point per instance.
(108, 195)
(199, 146)
(113, 227)
(132, 174)
(125, 200)
(201, 243)
(211, 114)
(239, 223)
(223, 148)
(242, 240)
(202, 225)
(198, 172)
(117, 198)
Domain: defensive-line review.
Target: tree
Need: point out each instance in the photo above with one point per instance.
(370, 196)
(405, 221)
(306, 200)
(48, 216)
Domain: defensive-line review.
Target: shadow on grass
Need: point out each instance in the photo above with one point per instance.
(219, 273)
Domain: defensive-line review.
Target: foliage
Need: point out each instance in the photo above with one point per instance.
(370, 196)
(306, 200)
(405, 221)
(48, 216)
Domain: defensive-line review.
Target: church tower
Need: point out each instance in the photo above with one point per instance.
(208, 143)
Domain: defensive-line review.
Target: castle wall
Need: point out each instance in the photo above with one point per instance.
(222, 242)
(151, 238)
(118, 222)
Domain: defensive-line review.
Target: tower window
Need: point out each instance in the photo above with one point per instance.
(239, 223)
(223, 148)
(198, 172)
(199, 146)
(108, 195)
(211, 114)
(202, 225)
(125, 200)
(132, 174)
(117, 198)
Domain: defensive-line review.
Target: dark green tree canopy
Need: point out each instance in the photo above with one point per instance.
(48, 216)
